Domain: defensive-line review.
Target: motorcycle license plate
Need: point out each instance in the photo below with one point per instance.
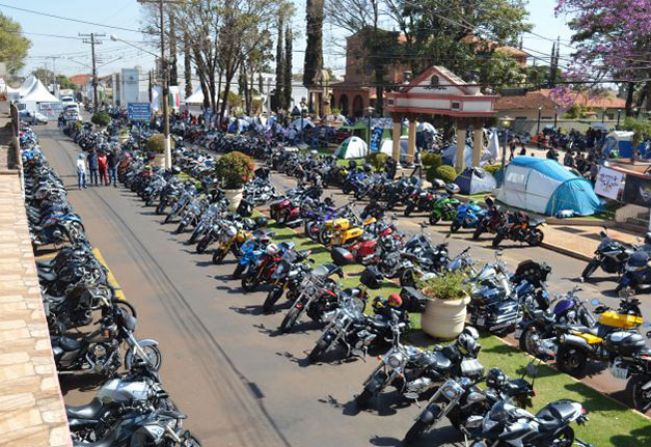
(518, 333)
(619, 373)
(481, 321)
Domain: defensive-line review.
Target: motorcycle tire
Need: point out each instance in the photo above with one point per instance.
(478, 232)
(525, 343)
(153, 353)
(194, 236)
(497, 239)
(407, 278)
(125, 306)
(281, 219)
(180, 228)
(564, 438)
(635, 394)
(433, 219)
(362, 400)
(202, 245)
(571, 360)
(408, 210)
(149, 202)
(75, 232)
(535, 238)
(318, 350)
(419, 428)
(324, 237)
(289, 321)
(218, 257)
(160, 209)
(189, 440)
(272, 298)
(454, 227)
(346, 190)
(168, 219)
(249, 283)
(589, 269)
(238, 271)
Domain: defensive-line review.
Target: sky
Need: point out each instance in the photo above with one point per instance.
(73, 56)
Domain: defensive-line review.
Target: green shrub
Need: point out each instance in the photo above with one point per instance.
(445, 173)
(430, 159)
(377, 160)
(450, 286)
(101, 119)
(234, 170)
(156, 143)
(492, 169)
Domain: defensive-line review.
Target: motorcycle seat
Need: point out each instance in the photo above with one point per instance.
(66, 343)
(584, 329)
(47, 276)
(46, 264)
(87, 411)
(438, 360)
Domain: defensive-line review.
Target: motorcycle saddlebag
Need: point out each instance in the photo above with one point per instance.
(371, 277)
(413, 300)
(624, 342)
(340, 256)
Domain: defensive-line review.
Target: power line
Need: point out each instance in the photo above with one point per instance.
(93, 41)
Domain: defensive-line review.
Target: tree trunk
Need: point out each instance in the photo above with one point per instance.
(204, 89)
(314, 49)
(187, 65)
(287, 76)
(630, 90)
(228, 78)
(173, 66)
(221, 98)
(280, 65)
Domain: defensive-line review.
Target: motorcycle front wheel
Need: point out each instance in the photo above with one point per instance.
(160, 208)
(249, 283)
(420, 426)
(638, 398)
(218, 256)
(565, 438)
(407, 278)
(433, 219)
(180, 228)
(496, 241)
(290, 320)
(454, 227)
(589, 269)
(153, 356)
(478, 232)
(318, 350)
(571, 360)
(535, 238)
(272, 298)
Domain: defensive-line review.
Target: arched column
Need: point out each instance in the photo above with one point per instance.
(396, 133)
(459, 163)
(411, 141)
(477, 142)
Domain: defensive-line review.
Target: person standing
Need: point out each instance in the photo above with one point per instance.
(112, 160)
(92, 165)
(102, 164)
(390, 167)
(81, 171)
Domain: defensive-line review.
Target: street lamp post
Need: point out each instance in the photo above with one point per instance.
(506, 124)
(603, 115)
(369, 112)
(619, 112)
(539, 118)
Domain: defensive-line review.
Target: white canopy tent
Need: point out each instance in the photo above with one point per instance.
(39, 99)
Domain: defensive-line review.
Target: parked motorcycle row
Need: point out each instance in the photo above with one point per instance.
(447, 378)
(92, 332)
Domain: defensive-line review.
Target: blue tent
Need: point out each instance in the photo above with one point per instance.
(619, 142)
(544, 186)
(475, 181)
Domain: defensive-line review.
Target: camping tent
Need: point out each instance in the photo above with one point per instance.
(304, 122)
(475, 181)
(450, 156)
(352, 147)
(544, 186)
(38, 99)
(387, 147)
(619, 143)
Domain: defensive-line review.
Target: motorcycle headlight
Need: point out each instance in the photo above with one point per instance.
(395, 360)
(451, 391)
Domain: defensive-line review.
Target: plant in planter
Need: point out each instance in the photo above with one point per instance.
(156, 145)
(101, 119)
(445, 312)
(233, 170)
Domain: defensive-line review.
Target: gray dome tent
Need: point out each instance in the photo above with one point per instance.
(475, 181)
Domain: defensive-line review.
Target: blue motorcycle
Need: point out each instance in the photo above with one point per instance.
(250, 253)
(468, 216)
(57, 228)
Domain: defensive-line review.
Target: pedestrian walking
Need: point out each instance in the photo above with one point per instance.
(390, 168)
(81, 171)
(594, 170)
(512, 147)
(102, 165)
(93, 167)
(112, 160)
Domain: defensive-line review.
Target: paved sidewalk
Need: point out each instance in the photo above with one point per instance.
(581, 241)
(32, 412)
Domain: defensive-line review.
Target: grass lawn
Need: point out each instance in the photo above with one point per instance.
(610, 424)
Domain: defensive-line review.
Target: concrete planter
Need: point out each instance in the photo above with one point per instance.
(234, 197)
(444, 318)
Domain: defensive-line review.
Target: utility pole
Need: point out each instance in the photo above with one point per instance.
(93, 41)
(54, 74)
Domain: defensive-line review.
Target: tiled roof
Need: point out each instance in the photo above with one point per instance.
(535, 99)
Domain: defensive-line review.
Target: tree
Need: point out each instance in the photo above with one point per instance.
(44, 75)
(611, 38)
(314, 49)
(13, 46)
(65, 83)
(287, 77)
(280, 61)
(187, 64)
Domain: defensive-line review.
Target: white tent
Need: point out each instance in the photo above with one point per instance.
(195, 98)
(27, 85)
(305, 122)
(493, 144)
(38, 99)
(352, 147)
(387, 147)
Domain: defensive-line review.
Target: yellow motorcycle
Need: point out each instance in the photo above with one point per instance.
(231, 239)
(577, 344)
(345, 232)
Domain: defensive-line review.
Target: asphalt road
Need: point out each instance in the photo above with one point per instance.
(223, 363)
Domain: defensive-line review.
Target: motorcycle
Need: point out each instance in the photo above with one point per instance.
(468, 216)
(610, 255)
(637, 274)
(528, 232)
(444, 209)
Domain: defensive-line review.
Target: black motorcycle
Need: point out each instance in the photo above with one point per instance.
(611, 256)
(637, 274)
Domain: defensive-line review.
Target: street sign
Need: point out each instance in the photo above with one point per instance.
(139, 111)
(376, 140)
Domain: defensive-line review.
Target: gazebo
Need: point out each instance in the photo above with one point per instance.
(438, 91)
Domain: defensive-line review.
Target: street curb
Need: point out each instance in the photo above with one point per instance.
(566, 252)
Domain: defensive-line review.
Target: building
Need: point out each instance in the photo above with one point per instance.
(351, 96)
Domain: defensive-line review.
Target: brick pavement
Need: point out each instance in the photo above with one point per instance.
(32, 412)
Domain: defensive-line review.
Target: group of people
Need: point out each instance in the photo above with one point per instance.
(100, 164)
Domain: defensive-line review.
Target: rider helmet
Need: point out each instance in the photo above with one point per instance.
(368, 168)
(495, 378)
(474, 333)
(176, 170)
(452, 188)
(352, 164)
(466, 345)
(394, 300)
(261, 221)
(272, 249)
(231, 231)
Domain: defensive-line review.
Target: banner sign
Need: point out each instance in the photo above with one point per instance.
(609, 182)
(376, 140)
(139, 111)
(638, 190)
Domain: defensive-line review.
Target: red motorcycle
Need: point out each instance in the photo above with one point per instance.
(363, 250)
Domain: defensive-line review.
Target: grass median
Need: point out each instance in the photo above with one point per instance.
(610, 424)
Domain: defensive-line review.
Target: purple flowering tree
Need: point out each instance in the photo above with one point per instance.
(612, 39)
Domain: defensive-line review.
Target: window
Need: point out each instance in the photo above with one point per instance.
(455, 105)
